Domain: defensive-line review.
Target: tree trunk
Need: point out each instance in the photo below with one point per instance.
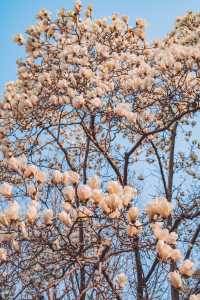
(174, 292)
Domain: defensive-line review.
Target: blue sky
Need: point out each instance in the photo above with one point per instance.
(17, 15)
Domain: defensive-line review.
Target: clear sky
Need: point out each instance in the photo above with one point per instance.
(17, 15)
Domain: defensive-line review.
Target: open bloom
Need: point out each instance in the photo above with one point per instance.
(73, 177)
(69, 193)
(132, 214)
(40, 176)
(97, 196)
(114, 187)
(160, 206)
(32, 212)
(65, 218)
(12, 212)
(94, 182)
(132, 230)
(164, 250)
(13, 164)
(164, 234)
(48, 216)
(57, 177)
(84, 192)
(6, 189)
(175, 279)
(176, 255)
(187, 268)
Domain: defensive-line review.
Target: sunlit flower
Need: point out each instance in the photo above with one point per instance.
(57, 177)
(176, 255)
(12, 212)
(40, 176)
(160, 206)
(114, 187)
(48, 216)
(94, 182)
(132, 214)
(84, 192)
(32, 213)
(65, 218)
(187, 268)
(6, 189)
(73, 177)
(69, 193)
(175, 279)
(132, 230)
(164, 250)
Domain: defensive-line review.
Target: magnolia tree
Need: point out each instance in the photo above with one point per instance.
(100, 162)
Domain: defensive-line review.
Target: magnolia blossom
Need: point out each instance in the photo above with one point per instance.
(122, 280)
(187, 268)
(69, 193)
(128, 195)
(6, 189)
(160, 206)
(48, 216)
(66, 178)
(164, 234)
(114, 214)
(175, 279)
(3, 254)
(12, 212)
(132, 230)
(176, 255)
(122, 109)
(57, 177)
(132, 214)
(30, 170)
(84, 192)
(94, 182)
(160, 234)
(164, 250)
(78, 102)
(73, 177)
(114, 187)
(31, 191)
(32, 213)
(103, 205)
(40, 176)
(113, 201)
(65, 218)
(13, 164)
(97, 196)
(172, 238)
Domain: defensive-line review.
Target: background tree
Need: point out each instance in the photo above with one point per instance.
(100, 162)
